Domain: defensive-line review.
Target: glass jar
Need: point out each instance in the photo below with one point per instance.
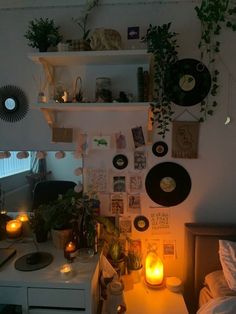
(103, 89)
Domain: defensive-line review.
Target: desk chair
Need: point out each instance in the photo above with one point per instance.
(47, 191)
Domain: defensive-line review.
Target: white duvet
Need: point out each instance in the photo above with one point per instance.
(220, 305)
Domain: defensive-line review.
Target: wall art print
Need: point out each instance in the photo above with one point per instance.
(134, 203)
(117, 204)
(140, 160)
(135, 183)
(119, 184)
(125, 225)
(138, 137)
(160, 221)
(101, 142)
(95, 180)
(185, 139)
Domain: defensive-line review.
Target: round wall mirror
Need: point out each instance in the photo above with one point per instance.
(13, 103)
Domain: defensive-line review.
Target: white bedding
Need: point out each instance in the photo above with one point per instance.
(221, 305)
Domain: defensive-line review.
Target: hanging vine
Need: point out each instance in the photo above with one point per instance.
(162, 43)
(213, 14)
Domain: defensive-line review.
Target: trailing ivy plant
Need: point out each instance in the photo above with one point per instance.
(213, 14)
(162, 43)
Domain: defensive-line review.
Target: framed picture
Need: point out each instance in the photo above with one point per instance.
(133, 32)
(119, 183)
(138, 137)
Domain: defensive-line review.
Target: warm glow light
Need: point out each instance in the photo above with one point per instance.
(22, 217)
(70, 247)
(154, 269)
(13, 228)
(66, 270)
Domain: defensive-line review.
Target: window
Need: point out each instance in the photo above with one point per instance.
(13, 165)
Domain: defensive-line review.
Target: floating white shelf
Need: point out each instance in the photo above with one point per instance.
(107, 57)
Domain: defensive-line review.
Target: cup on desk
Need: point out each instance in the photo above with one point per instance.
(14, 228)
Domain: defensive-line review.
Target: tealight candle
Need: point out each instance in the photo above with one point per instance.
(66, 270)
(70, 250)
(23, 217)
(13, 228)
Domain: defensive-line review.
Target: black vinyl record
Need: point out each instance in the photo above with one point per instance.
(188, 82)
(120, 161)
(168, 184)
(160, 149)
(141, 223)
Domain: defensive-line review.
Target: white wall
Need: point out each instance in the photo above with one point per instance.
(212, 196)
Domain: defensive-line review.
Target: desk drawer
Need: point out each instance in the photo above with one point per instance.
(63, 298)
(11, 295)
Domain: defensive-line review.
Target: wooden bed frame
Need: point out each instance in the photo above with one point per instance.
(201, 256)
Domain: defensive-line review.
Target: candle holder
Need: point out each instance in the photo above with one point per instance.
(14, 228)
(154, 271)
(66, 271)
(70, 251)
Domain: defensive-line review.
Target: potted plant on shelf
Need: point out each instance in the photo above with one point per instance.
(42, 33)
(82, 22)
(134, 259)
(161, 42)
(38, 225)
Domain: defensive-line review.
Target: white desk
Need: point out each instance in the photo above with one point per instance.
(142, 300)
(44, 291)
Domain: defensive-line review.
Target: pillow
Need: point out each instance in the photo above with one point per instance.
(227, 253)
(221, 305)
(217, 284)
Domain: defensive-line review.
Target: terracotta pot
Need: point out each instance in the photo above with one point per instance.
(60, 237)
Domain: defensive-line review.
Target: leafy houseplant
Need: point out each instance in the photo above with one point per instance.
(213, 14)
(161, 42)
(82, 22)
(42, 33)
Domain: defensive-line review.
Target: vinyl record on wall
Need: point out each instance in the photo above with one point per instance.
(168, 184)
(120, 161)
(141, 223)
(188, 82)
(160, 149)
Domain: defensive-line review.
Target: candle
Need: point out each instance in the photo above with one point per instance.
(66, 270)
(26, 230)
(70, 250)
(14, 228)
(154, 270)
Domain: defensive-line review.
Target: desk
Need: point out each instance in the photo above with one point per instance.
(44, 291)
(142, 300)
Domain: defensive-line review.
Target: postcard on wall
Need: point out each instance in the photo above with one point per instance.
(169, 249)
(101, 142)
(125, 225)
(117, 204)
(138, 137)
(120, 141)
(140, 160)
(135, 182)
(134, 203)
(119, 183)
(160, 221)
(95, 180)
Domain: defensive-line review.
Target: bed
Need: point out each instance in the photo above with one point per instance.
(202, 257)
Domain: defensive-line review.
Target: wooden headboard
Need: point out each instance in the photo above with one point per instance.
(201, 256)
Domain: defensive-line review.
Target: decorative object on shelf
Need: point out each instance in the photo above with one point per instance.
(161, 42)
(168, 184)
(133, 32)
(141, 223)
(105, 39)
(160, 148)
(154, 270)
(115, 302)
(190, 84)
(185, 139)
(13, 103)
(42, 33)
(213, 15)
(14, 228)
(103, 89)
(78, 92)
(70, 250)
(120, 161)
(122, 97)
(82, 22)
(26, 228)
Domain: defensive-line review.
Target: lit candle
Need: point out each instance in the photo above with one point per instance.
(14, 228)
(154, 270)
(66, 270)
(70, 250)
(26, 230)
